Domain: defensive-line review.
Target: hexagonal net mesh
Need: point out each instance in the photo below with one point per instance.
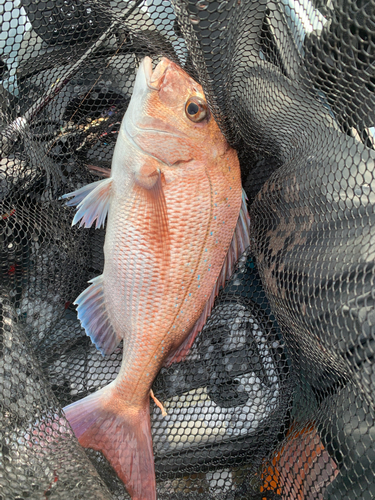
(275, 399)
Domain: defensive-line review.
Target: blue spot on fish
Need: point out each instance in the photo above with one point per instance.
(199, 276)
(211, 233)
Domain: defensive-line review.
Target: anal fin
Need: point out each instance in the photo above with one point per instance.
(93, 315)
(92, 202)
(240, 242)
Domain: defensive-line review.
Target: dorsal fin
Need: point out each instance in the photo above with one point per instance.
(240, 242)
(92, 202)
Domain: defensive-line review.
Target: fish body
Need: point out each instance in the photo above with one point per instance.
(177, 222)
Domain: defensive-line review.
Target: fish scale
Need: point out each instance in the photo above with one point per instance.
(177, 223)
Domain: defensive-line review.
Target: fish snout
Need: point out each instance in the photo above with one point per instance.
(155, 78)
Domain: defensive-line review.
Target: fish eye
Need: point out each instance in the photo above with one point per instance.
(196, 109)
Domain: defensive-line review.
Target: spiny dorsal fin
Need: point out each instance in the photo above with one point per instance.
(240, 242)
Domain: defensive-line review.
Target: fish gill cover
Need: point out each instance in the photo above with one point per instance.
(275, 399)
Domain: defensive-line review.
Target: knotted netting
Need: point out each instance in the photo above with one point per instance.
(276, 397)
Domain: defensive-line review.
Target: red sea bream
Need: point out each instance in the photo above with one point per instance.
(176, 224)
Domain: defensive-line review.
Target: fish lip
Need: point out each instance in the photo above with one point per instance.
(147, 70)
(155, 78)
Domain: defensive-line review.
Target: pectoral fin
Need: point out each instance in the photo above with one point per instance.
(151, 202)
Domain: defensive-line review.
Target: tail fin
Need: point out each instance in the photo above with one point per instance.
(123, 437)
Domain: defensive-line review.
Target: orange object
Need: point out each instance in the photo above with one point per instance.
(177, 223)
(302, 469)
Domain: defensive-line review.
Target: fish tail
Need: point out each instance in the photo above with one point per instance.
(124, 437)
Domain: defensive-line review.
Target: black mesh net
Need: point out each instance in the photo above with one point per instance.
(275, 400)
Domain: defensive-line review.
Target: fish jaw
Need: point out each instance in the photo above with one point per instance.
(137, 113)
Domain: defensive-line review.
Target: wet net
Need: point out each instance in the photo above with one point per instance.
(276, 397)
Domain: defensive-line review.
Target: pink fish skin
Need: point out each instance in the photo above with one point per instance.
(177, 222)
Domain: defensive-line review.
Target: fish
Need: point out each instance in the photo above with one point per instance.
(177, 222)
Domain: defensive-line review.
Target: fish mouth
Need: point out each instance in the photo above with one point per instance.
(154, 79)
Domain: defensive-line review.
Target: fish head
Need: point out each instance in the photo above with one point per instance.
(169, 118)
